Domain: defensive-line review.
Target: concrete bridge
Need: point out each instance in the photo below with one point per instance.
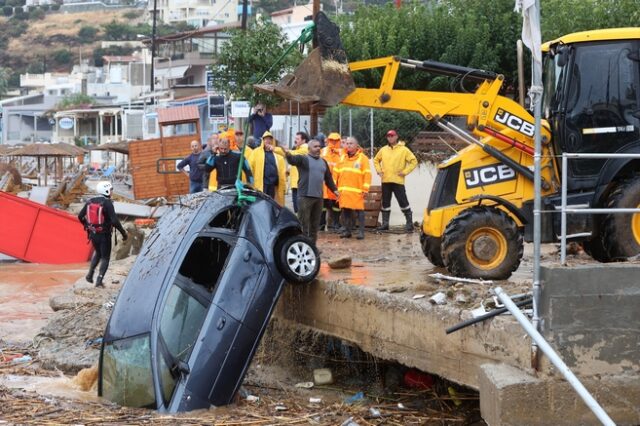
(589, 315)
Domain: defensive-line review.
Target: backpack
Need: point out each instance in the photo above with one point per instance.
(95, 217)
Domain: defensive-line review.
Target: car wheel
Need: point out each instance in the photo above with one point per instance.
(298, 259)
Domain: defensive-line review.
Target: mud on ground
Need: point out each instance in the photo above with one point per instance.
(68, 344)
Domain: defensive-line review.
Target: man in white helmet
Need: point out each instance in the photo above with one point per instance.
(99, 217)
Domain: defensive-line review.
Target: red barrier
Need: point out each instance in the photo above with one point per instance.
(36, 233)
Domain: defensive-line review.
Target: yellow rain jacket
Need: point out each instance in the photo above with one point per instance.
(354, 179)
(256, 162)
(293, 171)
(394, 160)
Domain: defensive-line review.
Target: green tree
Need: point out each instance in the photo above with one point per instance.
(87, 34)
(247, 56)
(62, 56)
(408, 124)
(117, 31)
(5, 74)
(73, 101)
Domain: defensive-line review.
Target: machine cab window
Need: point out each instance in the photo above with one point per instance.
(600, 101)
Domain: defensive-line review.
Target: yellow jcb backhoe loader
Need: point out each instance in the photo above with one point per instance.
(480, 209)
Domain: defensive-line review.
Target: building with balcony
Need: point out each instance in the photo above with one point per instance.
(198, 13)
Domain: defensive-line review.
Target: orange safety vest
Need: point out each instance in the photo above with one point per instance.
(354, 179)
(332, 155)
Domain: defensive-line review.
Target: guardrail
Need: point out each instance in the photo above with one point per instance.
(579, 209)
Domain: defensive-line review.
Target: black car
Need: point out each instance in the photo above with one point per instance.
(194, 306)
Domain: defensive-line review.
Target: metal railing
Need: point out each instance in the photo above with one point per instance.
(579, 209)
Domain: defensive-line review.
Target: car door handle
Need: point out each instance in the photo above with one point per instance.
(221, 323)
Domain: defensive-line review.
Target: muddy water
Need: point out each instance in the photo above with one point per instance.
(25, 289)
(61, 386)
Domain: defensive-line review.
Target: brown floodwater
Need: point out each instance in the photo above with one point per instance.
(25, 289)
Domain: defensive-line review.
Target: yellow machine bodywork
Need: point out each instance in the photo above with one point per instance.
(481, 109)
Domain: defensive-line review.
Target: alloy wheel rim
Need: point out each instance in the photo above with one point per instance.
(301, 259)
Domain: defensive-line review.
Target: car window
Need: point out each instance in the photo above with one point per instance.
(167, 381)
(180, 324)
(205, 261)
(181, 321)
(126, 372)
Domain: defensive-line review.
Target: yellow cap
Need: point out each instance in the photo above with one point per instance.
(267, 134)
(334, 136)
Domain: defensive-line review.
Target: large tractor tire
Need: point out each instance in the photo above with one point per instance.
(431, 248)
(482, 242)
(621, 232)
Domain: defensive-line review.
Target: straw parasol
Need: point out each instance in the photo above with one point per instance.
(45, 150)
(5, 150)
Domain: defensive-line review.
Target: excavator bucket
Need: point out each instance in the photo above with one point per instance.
(324, 76)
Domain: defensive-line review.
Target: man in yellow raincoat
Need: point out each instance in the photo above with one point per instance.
(269, 168)
(354, 179)
(393, 162)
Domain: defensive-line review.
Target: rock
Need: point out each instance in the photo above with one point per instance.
(68, 301)
(438, 299)
(461, 298)
(397, 289)
(340, 262)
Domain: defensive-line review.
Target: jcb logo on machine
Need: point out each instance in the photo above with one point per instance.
(488, 175)
(514, 122)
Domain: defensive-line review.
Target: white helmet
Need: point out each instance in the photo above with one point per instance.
(104, 188)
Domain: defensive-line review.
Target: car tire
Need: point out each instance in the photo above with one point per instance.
(297, 259)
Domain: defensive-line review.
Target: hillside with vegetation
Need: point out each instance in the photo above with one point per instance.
(51, 41)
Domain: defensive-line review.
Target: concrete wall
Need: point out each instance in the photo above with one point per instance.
(591, 315)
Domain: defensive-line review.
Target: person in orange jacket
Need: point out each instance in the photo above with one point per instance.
(332, 153)
(354, 179)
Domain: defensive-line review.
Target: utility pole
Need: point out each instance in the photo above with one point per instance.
(244, 15)
(153, 45)
(313, 112)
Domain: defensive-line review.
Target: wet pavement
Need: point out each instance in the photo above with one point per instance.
(25, 289)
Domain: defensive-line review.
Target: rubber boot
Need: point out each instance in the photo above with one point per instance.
(99, 281)
(385, 221)
(335, 219)
(360, 225)
(89, 276)
(323, 220)
(408, 227)
(347, 223)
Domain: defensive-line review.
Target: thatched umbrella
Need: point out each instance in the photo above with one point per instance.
(5, 150)
(45, 150)
(115, 147)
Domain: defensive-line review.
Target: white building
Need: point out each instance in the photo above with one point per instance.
(199, 13)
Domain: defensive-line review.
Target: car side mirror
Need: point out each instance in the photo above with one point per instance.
(182, 368)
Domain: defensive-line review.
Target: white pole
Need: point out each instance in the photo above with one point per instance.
(371, 130)
(554, 358)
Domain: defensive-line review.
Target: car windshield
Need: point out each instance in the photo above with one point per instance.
(126, 372)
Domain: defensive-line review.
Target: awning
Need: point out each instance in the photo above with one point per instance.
(171, 72)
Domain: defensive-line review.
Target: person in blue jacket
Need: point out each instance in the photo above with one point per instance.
(261, 120)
